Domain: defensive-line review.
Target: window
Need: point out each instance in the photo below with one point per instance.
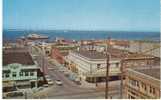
(7, 75)
(134, 83)
(143, 86)
(117, 65)
(31, 73)
(14, 74)
(98, 66)
(26, 74)
(152, 90)
(21, 73)
(137, 83)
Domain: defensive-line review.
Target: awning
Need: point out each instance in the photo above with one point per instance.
(23, 83)
(102, 73)
(8, 84)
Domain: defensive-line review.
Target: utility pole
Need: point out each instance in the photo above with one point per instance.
(96, 81)
(25, 94)
(121, 76)
(43, 59)
(122, 73)
(122, 67)
(107, 70)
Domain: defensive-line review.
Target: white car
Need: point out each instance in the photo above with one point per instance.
(45, 85)
(47, 76)
(50, 82)
(58, 82)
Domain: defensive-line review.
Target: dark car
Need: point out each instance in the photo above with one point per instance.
(14, 94)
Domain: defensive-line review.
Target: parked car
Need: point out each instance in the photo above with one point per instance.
(50, 82)
(47, 76)
(58, 82)
(45, 85)
(4, 95)
(61, 70)
(78, 82)
(40, 88)
(14, 94)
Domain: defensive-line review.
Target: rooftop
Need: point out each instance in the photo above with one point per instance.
(115, 54)
(91, 54)
(139, 56)
(153, 72)
(16, 56)
(15, 50)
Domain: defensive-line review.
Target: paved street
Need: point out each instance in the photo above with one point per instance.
(69, 89)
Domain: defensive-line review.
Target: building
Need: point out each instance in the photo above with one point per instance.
(47, 47)
(135, 60)
(121, 44)
(65, 42)
(91, 65)
(142, 83)
(148, 47)
(58, 55)
(19, 70)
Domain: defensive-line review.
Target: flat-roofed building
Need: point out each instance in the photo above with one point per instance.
(136, 60)
(142, 83)
(148, 47)
(19, 70)
(92, 64)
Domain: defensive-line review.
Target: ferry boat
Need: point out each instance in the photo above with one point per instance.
(37, 36)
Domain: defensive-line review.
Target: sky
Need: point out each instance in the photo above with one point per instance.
(115, 15)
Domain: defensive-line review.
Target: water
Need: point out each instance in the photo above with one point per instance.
(82, 35)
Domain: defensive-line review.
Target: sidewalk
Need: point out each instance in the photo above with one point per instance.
(85, 84)
(112, 85)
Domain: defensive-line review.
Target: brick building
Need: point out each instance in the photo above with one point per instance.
(58, 55)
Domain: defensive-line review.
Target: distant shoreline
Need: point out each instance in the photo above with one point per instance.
(84, 35)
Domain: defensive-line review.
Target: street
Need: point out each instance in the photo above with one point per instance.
(69, 89)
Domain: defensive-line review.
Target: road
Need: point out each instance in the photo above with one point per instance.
(69, 89)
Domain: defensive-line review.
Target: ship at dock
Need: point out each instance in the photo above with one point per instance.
(35, 36)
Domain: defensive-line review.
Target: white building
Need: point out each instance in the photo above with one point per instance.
(19, 70)
(91, 64)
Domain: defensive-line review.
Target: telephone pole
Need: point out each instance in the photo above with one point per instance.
(121, 76)
(107, 69)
